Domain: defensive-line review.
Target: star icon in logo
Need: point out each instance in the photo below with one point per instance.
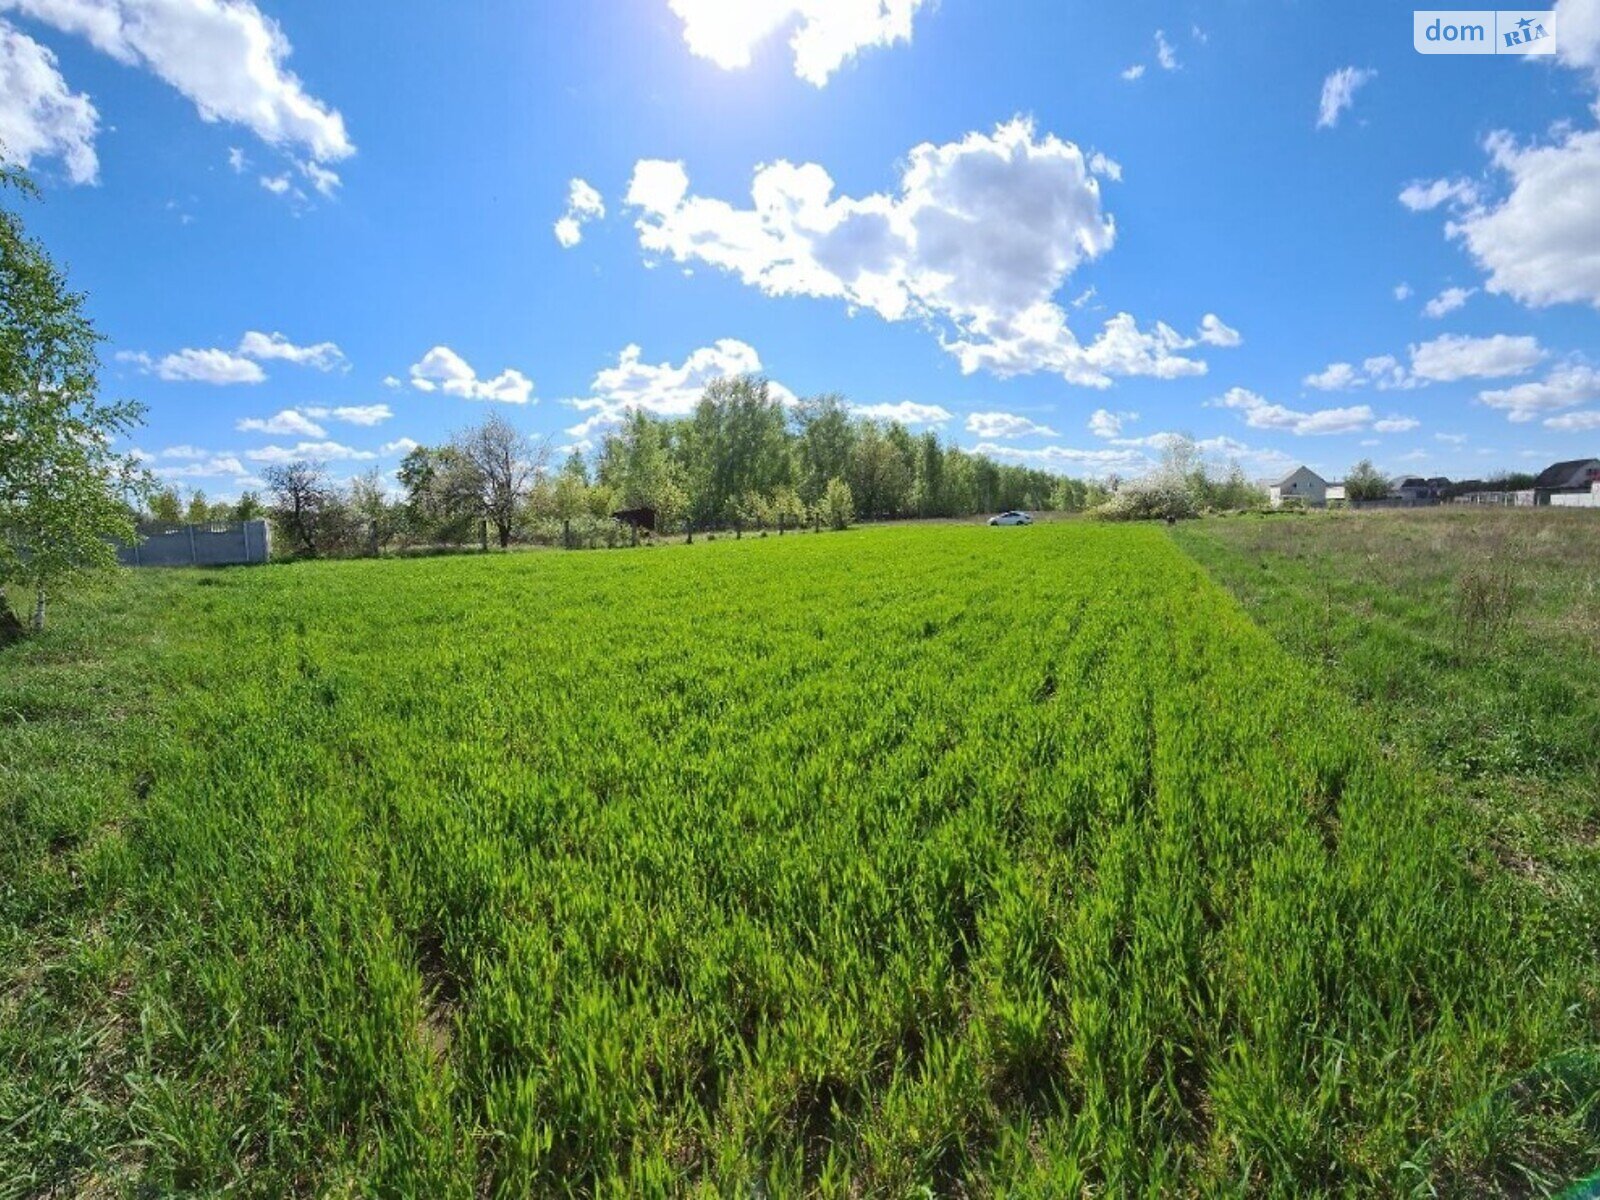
(1524, 23)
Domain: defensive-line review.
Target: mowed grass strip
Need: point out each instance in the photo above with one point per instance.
(979, 861)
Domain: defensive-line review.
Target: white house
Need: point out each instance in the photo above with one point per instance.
(1302, 483)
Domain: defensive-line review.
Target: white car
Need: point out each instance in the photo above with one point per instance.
(1011, 518)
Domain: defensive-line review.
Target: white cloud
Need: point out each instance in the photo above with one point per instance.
(237, 162)
(1579, 24)
(1214, 333)
(1134, 72)
(1402, 291)
(664, 389)
(907, 412)
(289, 422)
(584, 204)
(205, 467)
(278, 185)
(354, 414)
(1134, 457)
(442, 369)
(1442, 360)
(403, 445)
(1578, 422)
(197, 366)
(1164, 52)
(1395, 425)
(1565, 387)
(1335, 377)
(1110, 168)
(1106, 424)
(826, 33)
(326, 181)
(324, 356)
(229, 366)
(1339, 93)
(1541, 244)
(1420, 196)
(224, 55)
(1005, 425)
(40, 116)
(392, 381)
(980, 237)
(1260, 414)
(316, 451)
(1454, 356)
(1099, 462)
(1448, 301)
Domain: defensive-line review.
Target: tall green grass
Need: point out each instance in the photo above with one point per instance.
(971, 861)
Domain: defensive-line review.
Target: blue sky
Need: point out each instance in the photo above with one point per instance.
(1055, 231)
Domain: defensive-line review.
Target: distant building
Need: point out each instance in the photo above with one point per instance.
(1303, 484)
(1575, 475)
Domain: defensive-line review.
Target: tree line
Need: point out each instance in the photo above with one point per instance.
(741, 459)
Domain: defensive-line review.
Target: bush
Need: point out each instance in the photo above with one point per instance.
(1149, 500)
(838, 504)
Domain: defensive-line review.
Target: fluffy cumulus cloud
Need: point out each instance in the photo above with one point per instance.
(1537, 241)
(1540, 244)
(824, 34)
(1395, 425)
(354, 414)
(314, 451)
(226, 56)
(1097, 462)
(199, 464)
(287, 423)
(1454, 356)
(1565, 387)
(907, 412)
(1579, 24)
(243, 365)
(1339, 93)
(1442, 360)
(979, 238)
(324, 356)
(303, 422)
(1578, 422)
(1005, 425)
(665, 389)
(1260, 414)
(1135, 456)
(1107, 424)
(40, 116)
(1427, 195)
(219, 367)
(443, 370)
(583, 205)
(1448, 301)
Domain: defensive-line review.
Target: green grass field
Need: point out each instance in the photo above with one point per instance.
(896, 862)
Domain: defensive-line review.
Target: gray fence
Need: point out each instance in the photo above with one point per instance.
(213, 544)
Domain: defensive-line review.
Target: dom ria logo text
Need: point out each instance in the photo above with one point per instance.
(1484, 31)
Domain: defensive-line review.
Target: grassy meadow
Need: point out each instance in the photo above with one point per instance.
(910, 861)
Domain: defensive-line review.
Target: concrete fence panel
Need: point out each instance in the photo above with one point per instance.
(210, 544)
